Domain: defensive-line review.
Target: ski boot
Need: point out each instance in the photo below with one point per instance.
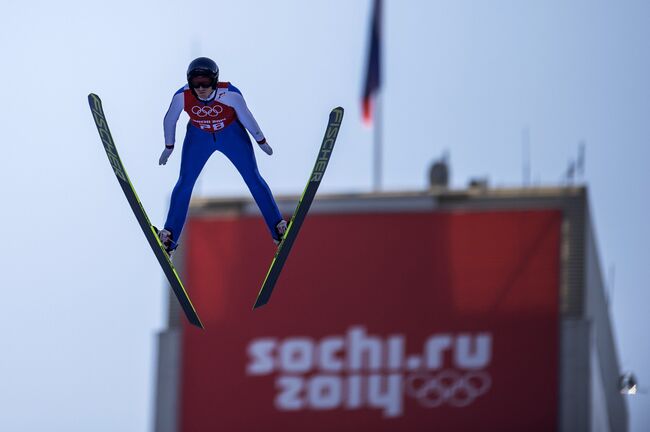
(280, 229)
(167, 241)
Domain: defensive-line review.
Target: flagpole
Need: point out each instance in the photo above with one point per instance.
(377, 137)
(372, 105)
(379, 123)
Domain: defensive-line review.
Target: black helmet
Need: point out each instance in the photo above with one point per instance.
(203, 66)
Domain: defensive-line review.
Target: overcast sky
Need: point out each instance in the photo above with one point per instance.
(83, 297)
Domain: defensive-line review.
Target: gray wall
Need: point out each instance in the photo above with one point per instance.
(167, 388)
(603, 343)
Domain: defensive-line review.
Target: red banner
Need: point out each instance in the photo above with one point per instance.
(404, 321)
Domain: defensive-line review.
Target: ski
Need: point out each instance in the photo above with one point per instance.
(281, 254)
(131, 196)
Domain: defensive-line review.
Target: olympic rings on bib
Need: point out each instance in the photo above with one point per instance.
(204, 111)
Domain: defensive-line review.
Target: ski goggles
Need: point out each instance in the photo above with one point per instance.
(201, 82)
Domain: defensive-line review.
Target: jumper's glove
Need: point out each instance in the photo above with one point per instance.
(266, 148)
(165, 155)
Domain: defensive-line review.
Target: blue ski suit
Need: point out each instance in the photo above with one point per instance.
(217, 123)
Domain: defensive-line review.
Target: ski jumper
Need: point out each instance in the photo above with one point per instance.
(215, 124)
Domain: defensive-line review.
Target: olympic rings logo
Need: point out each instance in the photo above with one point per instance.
(448, 386)
(212, 111)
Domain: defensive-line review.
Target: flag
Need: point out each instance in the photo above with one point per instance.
(373, 73)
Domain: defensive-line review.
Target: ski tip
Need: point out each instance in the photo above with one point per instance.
(336, 115)
(94, 101)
